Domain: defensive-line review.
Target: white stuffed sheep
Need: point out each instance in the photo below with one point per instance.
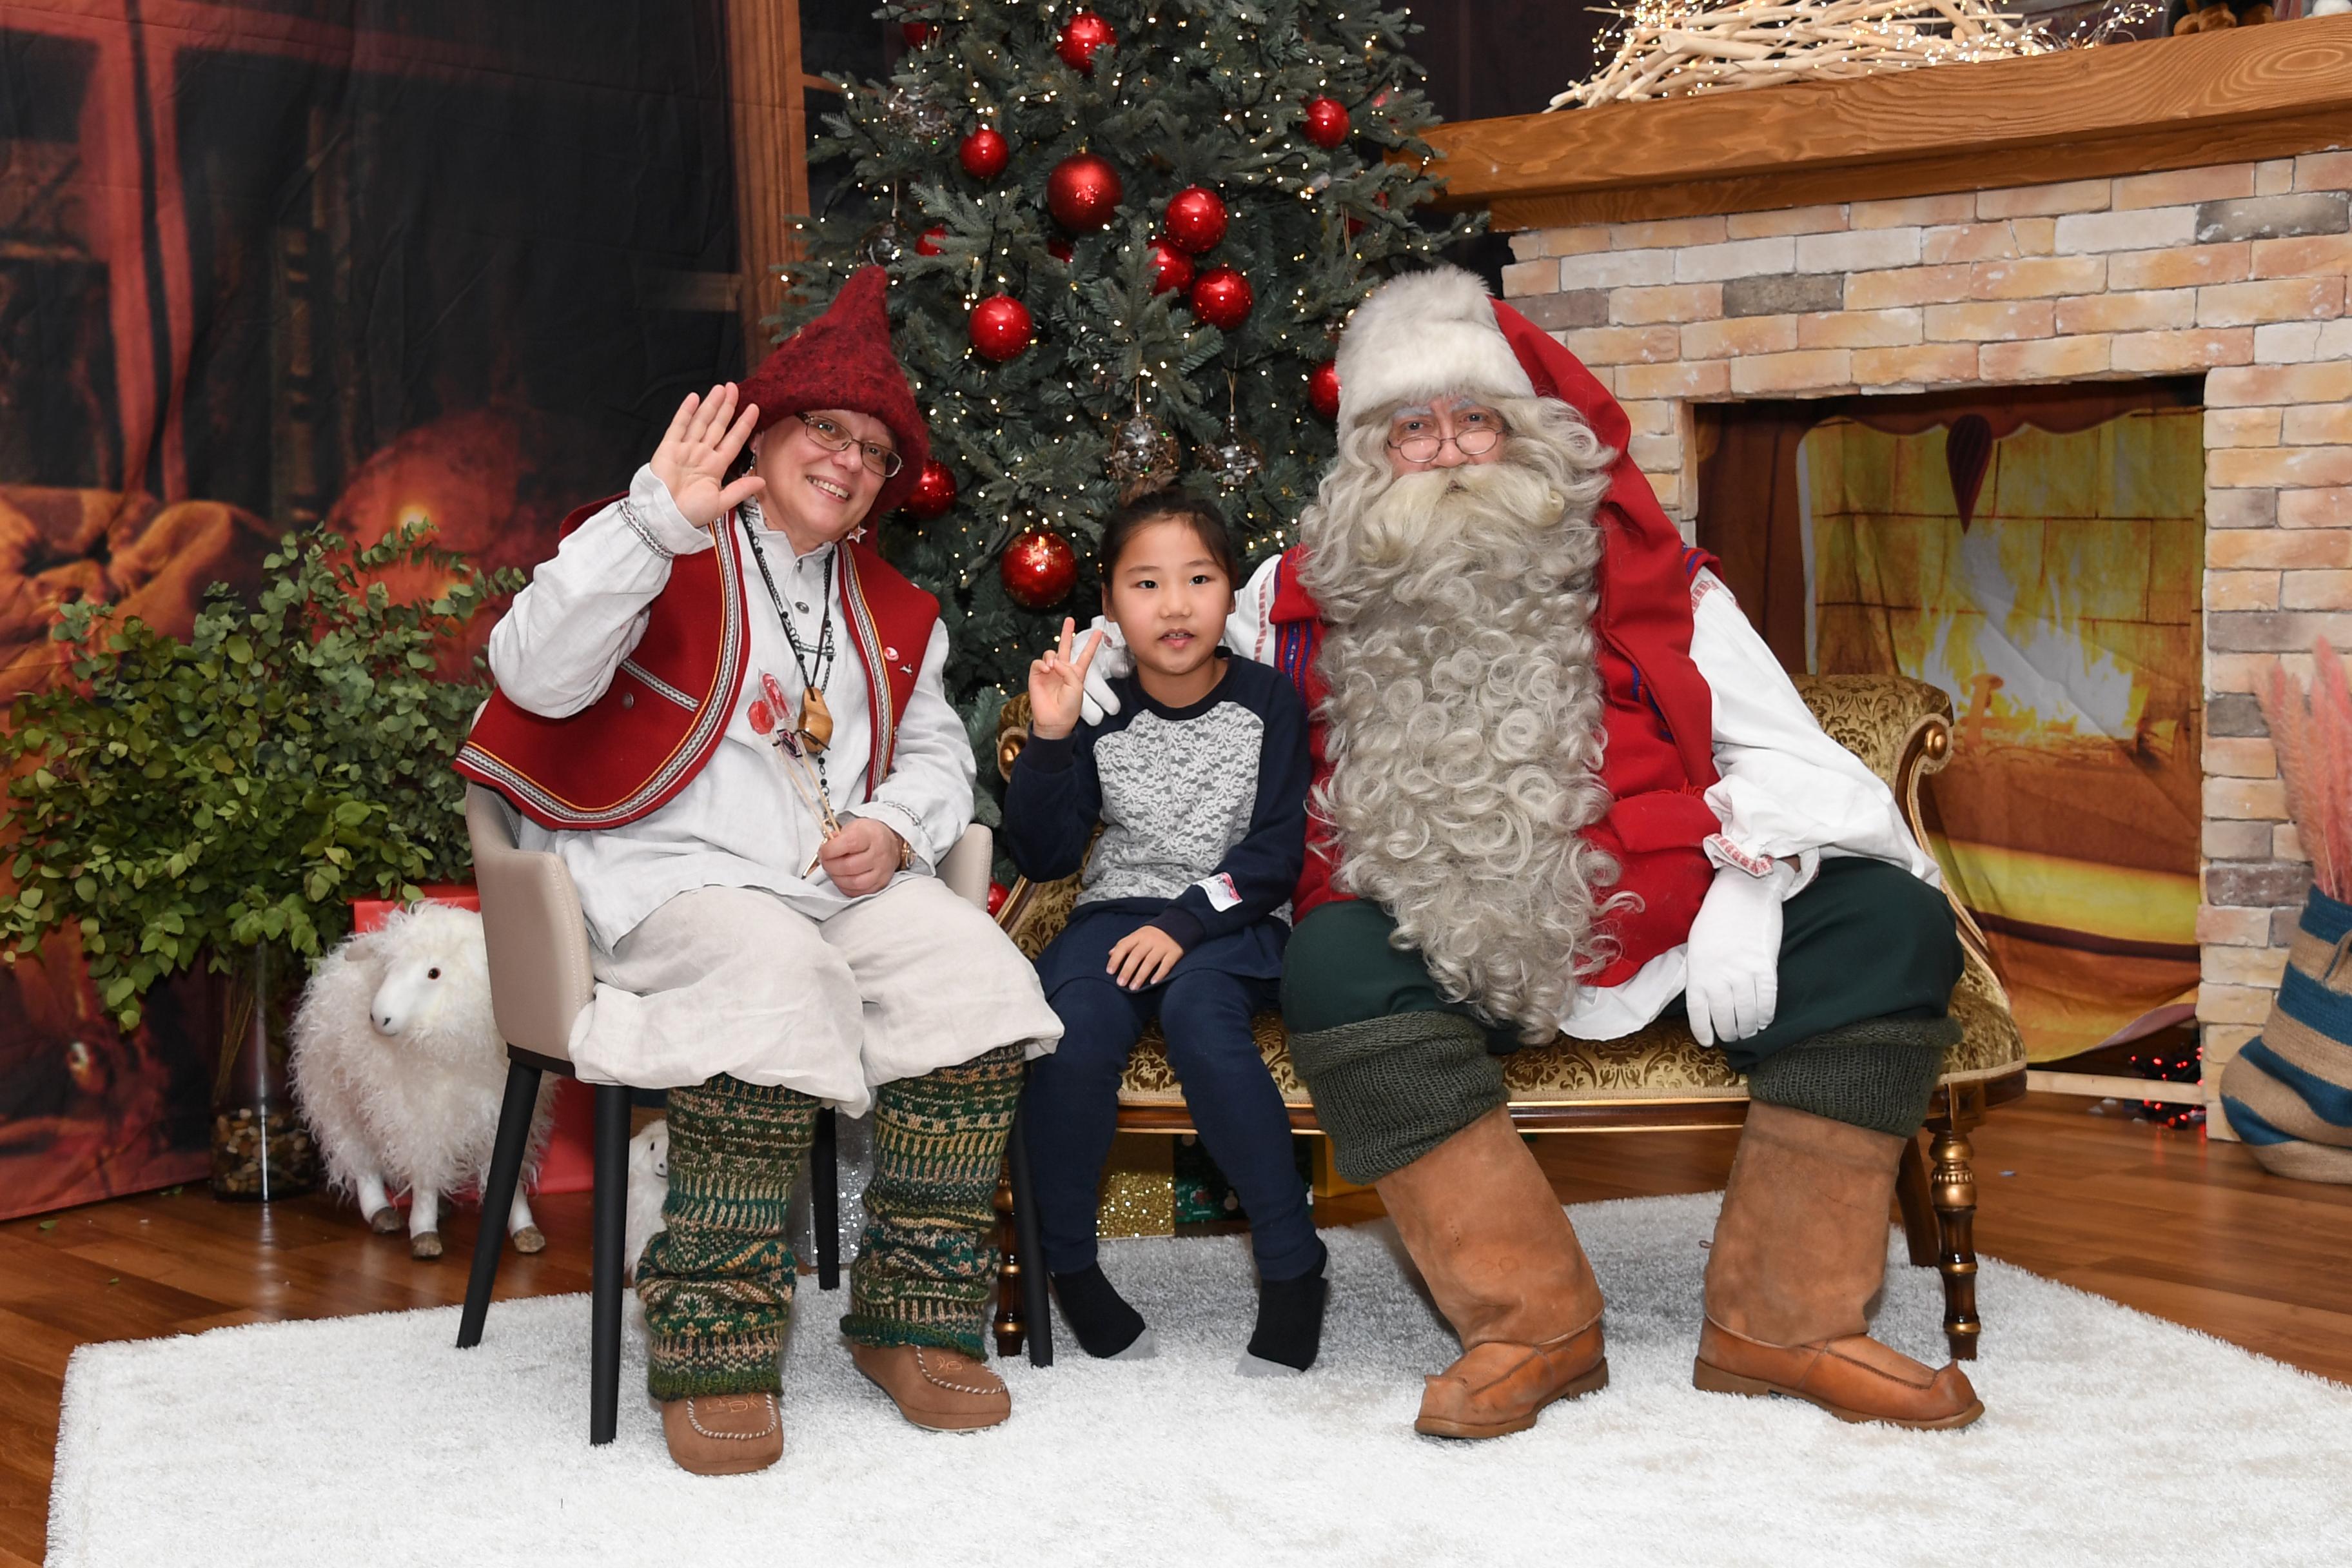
(399, 1066)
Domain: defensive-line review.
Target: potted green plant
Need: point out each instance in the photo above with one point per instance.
(219, 801)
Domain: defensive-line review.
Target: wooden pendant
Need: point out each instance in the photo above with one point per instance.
(817, 720)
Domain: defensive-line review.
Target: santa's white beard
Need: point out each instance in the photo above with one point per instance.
(1465, 730)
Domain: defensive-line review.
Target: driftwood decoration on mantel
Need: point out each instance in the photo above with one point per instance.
(1673, 47)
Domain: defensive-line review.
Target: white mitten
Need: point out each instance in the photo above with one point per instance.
(1735, 954)
(1114, 659)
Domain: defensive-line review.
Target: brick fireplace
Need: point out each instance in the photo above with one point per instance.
(1710, 290)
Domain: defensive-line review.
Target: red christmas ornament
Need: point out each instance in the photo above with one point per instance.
(1082, 35)
(917, 34)
(1000, 327)
(1170, 268)
(1083, 192)
(1196, 219)
(934, 491)
(1326, 122)
(1039, 569)
(1058, 248)
(1222, 298)
(997, 893)
(928, 242)
(983, 154)
(1323, 389)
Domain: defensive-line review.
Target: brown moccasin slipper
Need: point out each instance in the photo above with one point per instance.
(724, 1434)
(946, 1390)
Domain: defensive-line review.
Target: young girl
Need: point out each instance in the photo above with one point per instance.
(1200, 783)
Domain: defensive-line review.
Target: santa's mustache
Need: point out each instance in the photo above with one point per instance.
(1408, 546)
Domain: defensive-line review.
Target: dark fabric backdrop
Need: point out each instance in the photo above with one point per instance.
(266, 265)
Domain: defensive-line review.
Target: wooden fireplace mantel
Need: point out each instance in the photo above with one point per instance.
(2169, 104)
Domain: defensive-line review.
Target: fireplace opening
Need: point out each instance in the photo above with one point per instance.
(2036, 553)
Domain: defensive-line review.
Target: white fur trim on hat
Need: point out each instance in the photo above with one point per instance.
(1421, 336)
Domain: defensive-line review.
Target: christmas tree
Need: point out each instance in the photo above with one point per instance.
(1121, 242)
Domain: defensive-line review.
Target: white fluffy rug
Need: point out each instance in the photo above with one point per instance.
(2110, 1437)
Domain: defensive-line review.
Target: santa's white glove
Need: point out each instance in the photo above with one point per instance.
(1113, 660)
(1735, 954)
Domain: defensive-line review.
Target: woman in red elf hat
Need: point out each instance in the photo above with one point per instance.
(725, 712)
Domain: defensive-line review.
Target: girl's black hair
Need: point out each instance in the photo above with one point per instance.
(1201, 516)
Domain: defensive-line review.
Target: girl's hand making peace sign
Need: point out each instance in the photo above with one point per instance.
(1058, 683)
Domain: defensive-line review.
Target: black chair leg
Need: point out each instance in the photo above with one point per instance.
(1034, 1306)
(824, 1199)
(498, 1197)
(605, 1262)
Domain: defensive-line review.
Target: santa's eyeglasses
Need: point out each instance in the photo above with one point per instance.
(881, 460)
(1417, 441)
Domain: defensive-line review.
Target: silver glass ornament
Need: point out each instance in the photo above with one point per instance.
(1232, 459)
(1143, 457)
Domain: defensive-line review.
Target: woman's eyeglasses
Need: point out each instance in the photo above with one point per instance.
(881, 460)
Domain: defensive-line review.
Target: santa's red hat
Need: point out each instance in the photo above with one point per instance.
(843, 360)
(1439, 334)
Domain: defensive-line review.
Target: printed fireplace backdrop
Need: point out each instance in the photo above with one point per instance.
(266, 265)
(2036, 555)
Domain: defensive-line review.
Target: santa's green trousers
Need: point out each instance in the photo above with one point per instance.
(717, 1281)
(1869, 955)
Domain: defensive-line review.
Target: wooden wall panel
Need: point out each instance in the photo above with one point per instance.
(770, 123)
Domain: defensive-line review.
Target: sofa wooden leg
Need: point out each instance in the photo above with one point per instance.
(1011, 1332)
(1912, 1191)
(1954, 1188)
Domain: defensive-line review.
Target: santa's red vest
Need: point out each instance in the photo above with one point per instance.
(630, 752)
(1657, 710)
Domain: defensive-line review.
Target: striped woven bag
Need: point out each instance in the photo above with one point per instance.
(2288, 1092)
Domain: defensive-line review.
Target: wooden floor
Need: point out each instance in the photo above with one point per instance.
(2164, 1222)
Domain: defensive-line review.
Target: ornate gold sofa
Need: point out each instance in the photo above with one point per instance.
(1662, 1078)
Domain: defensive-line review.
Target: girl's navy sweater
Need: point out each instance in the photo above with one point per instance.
(1203, 807)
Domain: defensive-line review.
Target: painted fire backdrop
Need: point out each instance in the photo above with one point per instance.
(269, 266)
(2036, 556)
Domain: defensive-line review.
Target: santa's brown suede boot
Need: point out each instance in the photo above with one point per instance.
(1798, 1252)
(723, 1433)
(1502, 1264)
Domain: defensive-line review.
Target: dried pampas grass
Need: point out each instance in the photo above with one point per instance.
(2311, 729)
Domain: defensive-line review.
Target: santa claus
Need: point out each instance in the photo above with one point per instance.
(1562, 785)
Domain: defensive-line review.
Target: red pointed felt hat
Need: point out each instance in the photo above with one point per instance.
(843, 360)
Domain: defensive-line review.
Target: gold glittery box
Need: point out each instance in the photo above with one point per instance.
(1139, 1186)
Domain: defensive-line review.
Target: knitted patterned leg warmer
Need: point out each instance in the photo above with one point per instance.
(926, 1262)
(717, 1281)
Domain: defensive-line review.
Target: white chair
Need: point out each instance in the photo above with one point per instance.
(539, 981)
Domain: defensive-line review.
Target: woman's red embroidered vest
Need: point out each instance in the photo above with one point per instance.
(630, 752)
(1659, 715)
